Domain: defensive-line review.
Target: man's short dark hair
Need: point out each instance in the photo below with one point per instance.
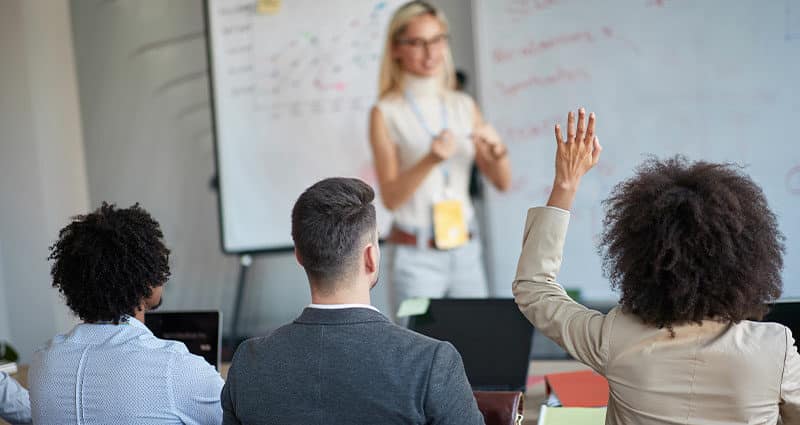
(684, 242)
(330, 221)
(107, 262)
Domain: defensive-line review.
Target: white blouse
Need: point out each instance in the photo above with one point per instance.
(408, 131)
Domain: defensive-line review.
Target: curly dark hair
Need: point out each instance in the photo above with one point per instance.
(687, 241)
(108, 261)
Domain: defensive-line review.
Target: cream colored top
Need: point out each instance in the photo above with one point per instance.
(717, 373)
(413, 142)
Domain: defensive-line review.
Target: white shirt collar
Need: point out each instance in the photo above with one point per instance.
(422, 87)
(123, 320)
(341, 306)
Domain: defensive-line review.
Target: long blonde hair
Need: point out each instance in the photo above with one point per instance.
(391, 75)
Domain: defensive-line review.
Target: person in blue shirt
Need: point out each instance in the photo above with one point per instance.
(15, 407)
(111, 266)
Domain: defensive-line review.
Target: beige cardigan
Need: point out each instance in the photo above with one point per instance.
(717, 373)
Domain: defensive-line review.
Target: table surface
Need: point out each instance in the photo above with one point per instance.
(534, 397)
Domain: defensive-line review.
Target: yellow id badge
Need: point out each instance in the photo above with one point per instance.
(449, 225)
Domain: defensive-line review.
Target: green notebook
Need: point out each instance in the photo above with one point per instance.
(572, 416)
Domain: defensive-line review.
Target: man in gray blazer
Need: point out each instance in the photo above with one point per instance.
(342, 361)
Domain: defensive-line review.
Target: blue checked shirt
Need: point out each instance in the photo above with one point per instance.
(14, 404)
(121, 374)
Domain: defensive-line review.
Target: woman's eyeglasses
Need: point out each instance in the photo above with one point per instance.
(421, 43)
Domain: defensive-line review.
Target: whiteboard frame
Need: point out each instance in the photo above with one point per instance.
(214, 137)
(218, 167)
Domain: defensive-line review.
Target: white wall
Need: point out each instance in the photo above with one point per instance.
(144, 100)
(459, 15)
(5, 332)
(42, 170)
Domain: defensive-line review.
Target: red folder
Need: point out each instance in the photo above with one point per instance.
(584, 388)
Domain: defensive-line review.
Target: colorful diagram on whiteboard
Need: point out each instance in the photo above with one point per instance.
(302, 71)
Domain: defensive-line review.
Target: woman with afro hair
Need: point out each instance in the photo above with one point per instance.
(695, 253)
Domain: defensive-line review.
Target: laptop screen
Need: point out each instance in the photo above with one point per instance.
(198, 330)
(787, 313)
(492, 336)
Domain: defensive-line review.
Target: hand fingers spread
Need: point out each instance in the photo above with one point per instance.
(570, 127)
(590, 129)
(596, 150)
(559, 136)
(581, 125)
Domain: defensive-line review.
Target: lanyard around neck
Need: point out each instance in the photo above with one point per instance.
(424, 124)
(421, 118)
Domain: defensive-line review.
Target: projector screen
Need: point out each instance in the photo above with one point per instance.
(292, 85)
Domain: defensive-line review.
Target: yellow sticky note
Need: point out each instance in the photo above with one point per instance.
(268, 7)
(413, 307)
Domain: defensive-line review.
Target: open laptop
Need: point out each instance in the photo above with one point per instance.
(492, 336)
(787, 313)
(199, 330)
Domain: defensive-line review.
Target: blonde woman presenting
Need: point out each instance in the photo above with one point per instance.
(424, 137)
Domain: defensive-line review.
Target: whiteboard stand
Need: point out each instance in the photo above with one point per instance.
(245, 261)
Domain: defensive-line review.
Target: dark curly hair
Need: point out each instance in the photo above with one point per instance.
(108, 261)
(687, 241)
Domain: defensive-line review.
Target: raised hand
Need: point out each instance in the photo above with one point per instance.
(574, 157)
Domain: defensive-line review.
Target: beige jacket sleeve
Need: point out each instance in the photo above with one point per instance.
(582, 332)
(790, 384)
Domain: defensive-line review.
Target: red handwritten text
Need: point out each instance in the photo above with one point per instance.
(537, 47)
(528, 7)
(543, 128)
(560, 75)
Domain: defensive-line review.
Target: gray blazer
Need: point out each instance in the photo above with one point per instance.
(349, 366)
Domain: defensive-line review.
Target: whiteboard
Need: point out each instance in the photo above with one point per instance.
(712, 79)
(292, 84)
